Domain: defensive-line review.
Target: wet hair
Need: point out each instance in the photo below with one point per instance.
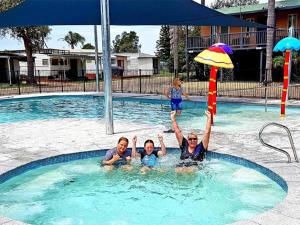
(148, 141)
(175, 81)
(123, 139)
(192, 134)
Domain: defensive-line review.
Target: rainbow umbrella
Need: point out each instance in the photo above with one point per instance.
(286, 45)
(217, 58)
(225, 47)
(229, 51)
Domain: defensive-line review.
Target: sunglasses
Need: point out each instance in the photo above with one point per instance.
(193, 139)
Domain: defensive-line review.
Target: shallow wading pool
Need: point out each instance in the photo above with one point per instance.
(74, 189)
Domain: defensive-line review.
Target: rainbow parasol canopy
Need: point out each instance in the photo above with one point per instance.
(225, 47)
(214, 56)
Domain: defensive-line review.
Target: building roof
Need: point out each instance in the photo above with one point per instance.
(5, 54)
(136, 55)
(279, 5)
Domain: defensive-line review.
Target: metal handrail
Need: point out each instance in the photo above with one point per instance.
(278, 149)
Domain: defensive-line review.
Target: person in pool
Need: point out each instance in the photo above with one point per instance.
(149, 155)
(118, 156)
(191, 151)
(175, 93)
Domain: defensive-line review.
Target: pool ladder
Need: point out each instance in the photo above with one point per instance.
(278, 149)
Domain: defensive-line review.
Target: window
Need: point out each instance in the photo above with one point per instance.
(61, 62)
(45, 62)
(292, 21)
(66, 62)
(54, 62)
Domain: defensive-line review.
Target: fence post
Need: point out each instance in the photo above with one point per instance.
(140, 76)
(18, 79)
(83, 84)
(62, 84)
(122, 83)
(40, 88)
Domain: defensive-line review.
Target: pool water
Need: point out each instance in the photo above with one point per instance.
(82, 192)
(231, 117)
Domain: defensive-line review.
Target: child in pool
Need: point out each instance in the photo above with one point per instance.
(149, 155)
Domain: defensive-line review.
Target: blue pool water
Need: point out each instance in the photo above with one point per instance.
(230, 116)
(82, 192)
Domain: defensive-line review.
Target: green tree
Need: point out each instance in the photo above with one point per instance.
(73, 39)
(33, 37)
(163, 47)
(88, 46)
(218, 4)
(7, 4)
(126, 42)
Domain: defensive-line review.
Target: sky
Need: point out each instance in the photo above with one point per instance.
(148, 35)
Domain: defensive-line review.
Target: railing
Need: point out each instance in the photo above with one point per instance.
(240, 40)
(135, 81)
(278, 149)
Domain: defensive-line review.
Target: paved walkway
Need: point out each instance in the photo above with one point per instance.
(27, 141)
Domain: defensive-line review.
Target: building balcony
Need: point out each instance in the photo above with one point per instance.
(238, 41)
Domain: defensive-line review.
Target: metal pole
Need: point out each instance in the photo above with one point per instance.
(9, 71)
(96, 58)
(105, 31)
(187, 53)
(261, 66)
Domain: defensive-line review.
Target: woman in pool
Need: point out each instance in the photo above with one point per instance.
(191, 151)
(118, 156)
(148, 156)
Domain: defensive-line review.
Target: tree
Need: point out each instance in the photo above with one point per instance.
(270, 38)
(126, 42)
(73, 39)
(7, 4)
(88, 46)
(33, 37)
(163, 46)
(232, 3)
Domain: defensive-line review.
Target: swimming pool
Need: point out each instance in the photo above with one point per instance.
(231, 117)
(64, 191)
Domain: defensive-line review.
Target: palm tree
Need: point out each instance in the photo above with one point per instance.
(270, 38)
(73, 39)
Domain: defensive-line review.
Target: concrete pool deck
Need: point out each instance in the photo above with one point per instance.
(27, 141)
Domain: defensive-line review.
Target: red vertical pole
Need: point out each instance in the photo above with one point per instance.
(212, 89)
(215, 91)
(285, 81)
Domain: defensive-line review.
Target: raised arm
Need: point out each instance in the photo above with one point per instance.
(178, 133)
(205, 140)
(163, 150)
(134, 153)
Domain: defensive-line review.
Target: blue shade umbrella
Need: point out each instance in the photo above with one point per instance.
(122, 12)
(225, 47)
(288, 43)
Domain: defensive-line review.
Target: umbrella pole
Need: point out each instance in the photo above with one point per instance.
(212, 88)
(215, 92)
(285, 81)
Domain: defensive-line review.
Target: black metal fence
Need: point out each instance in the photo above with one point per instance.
(139, 81)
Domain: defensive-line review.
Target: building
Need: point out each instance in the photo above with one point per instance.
(249, 44)
(10, 66)
(75, 64)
